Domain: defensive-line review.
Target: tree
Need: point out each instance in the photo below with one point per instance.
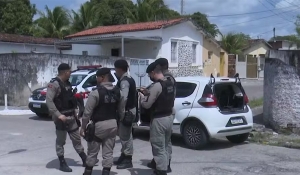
(151, 10)
(88, 16)
(54, 24)
(16, 16)
(234, 43)
(202, 21)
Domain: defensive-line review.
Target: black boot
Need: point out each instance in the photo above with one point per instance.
(63, 165)
(160, 172)
(88, 170)
(106, 171)
(169, 170)
(83, 158)
(126, 163)
(151, 164)
(120, 159)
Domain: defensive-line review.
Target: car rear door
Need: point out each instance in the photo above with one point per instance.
(186, 92)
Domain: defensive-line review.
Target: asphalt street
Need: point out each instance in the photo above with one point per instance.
(254, 88)
(27, 148)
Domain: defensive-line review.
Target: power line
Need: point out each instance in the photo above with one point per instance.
(282, 26)
(274, 12)
(249, 13)
(254, 19)
(273, 4)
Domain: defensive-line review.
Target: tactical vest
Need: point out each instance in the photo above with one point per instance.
(108, 104)
(132, 94)
(169, 76)
(65, 100)
(164, 104)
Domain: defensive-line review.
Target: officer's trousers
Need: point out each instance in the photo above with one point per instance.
(61, 136)
(170, 142)
(125, 134)
(160, 136)
(106, 132)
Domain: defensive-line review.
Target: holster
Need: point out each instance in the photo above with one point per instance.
(60, 125)
(128, 119)
(78, 122)
(89, 132)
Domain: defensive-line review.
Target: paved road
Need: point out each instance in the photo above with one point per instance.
(254, 88)
(27, 148)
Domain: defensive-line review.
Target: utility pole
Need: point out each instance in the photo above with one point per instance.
(181, 5)
(274, 34)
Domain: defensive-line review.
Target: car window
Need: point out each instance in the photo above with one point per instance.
(90, 82)
(76, 79)
(184, 89)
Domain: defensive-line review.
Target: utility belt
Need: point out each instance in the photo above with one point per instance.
(60, 125)
(162, 114)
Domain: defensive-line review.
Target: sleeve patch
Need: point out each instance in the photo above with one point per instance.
(50, 85)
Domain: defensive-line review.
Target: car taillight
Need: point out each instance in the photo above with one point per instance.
(43, 92)
(82, 95)
(246, 100)
(208, 100)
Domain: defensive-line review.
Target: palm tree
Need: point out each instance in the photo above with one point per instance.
(234, 43)
(149, 10)
(54, 24)
(88, 16)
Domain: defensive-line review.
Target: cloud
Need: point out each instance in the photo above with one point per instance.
(76, 4)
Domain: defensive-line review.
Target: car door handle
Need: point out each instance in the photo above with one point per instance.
(186, 103)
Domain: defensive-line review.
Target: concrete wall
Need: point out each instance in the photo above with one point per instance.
(22, 73)
(281, 89)
(6, 47)
(77, 49)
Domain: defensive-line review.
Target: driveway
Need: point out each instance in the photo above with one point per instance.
(27, 148)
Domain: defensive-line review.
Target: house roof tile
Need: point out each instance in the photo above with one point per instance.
(127, 28)
(4, 37)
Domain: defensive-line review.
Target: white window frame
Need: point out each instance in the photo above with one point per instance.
(174, 60)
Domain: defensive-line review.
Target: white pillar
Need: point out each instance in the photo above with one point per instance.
(122, 46)
(5, 101)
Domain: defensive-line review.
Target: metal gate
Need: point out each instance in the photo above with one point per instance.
(251, 66)
(241, 66)
(137, 71)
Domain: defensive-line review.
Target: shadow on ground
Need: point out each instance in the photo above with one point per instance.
(41, 118)
(177, 140)
(54, 164)
(139, 171)
(99, 172)
(258, 119)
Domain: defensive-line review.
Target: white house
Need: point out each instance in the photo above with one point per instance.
(11, 43)
(178, 40)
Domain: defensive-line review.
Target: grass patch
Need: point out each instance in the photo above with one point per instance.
(256, 102)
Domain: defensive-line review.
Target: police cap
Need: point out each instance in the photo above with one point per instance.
(151, 67)
(63, 66)
(163, 62)
(103, 71)
(121, 64)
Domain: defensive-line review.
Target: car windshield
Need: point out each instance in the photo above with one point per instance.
(76, 79)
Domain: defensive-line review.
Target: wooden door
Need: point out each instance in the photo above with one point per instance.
(222, 63)
(251, 66)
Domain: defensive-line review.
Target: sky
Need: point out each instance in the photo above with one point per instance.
(256, 17)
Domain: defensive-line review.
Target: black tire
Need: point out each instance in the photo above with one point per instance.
(41, 115)
(194, 135)
(237, 139)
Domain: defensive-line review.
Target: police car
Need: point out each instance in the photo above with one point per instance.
(208, 107)
(84, 79)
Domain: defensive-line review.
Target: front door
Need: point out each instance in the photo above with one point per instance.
(222, 63)
(186, 92)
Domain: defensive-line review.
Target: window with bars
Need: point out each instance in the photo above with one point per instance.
(173, 52)
(194, 53)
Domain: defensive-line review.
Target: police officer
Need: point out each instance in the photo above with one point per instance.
(160, 99)
(101, 108)
(128, 92)
(61, 103)
(164, 65)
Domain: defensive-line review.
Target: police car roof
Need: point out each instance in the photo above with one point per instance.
(204, 79)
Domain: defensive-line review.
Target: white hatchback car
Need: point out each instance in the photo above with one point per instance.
(84, 79)
(208, 107)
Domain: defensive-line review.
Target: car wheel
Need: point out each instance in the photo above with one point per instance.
(194, 135)
(238, 138)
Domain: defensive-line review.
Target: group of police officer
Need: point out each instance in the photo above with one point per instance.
(110, 111)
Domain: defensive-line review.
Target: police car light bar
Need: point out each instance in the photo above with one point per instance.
(89, 67)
